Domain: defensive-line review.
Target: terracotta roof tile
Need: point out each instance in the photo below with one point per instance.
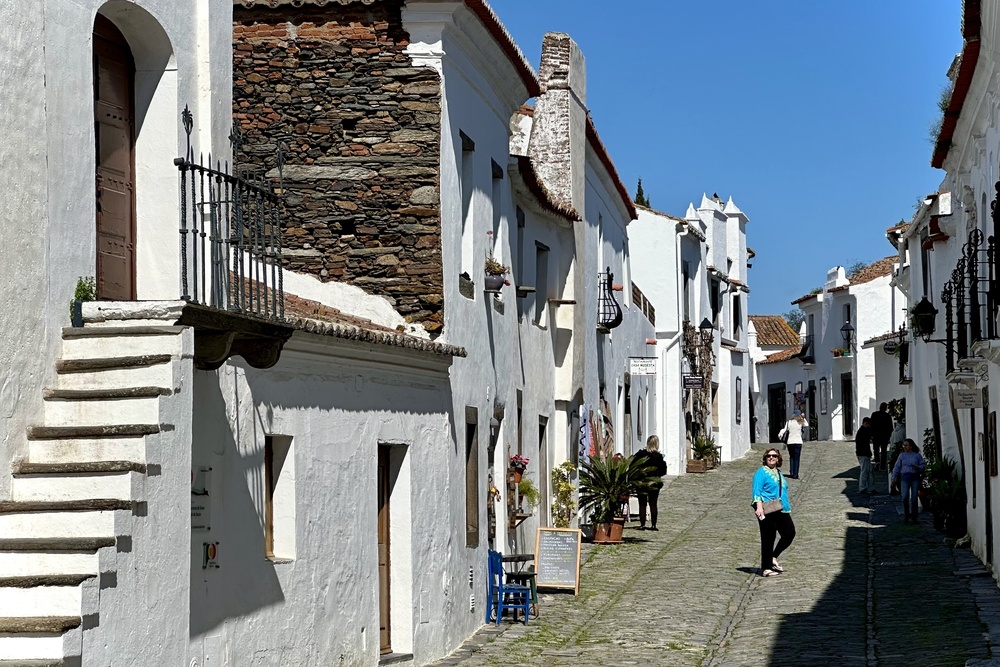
(314, 317)
(784, 355)
(774, 330)
(879, 269)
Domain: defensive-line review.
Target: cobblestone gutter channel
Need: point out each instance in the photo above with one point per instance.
(860, 589)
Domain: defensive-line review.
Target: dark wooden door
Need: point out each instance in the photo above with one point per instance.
(385, 643)
(776, 409)
(113, 125)
(847, 403)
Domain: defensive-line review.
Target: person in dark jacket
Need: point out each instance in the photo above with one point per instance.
(881, 432)
(863, 449)
(655, 459)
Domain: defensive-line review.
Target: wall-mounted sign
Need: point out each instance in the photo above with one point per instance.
(210, 561)
(967, 399)
(201, 499)
(692, 381)
(642, 365)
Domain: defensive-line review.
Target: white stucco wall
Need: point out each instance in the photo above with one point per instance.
(338, 401)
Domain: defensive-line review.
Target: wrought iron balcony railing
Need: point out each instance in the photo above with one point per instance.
(230, 234)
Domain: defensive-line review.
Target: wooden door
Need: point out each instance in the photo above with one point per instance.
(385, 643)
(776, 411)
(115, 179)
(847, 403)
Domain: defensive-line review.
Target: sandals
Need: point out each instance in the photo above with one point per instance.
(777, 566)
(769, 573)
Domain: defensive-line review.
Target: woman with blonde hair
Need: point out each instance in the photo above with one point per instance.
(650, 495)
(792, 435)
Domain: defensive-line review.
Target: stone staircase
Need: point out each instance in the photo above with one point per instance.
(75, 497)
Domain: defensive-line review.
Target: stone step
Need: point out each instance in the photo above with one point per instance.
(83, 545)
(111, 431)
(38, 580)
(53, 486)
(105, 412)
(41, 601)
(111, 363)
(84, 450)
(119, 345)
(34, 641)
(155, 375)
(104, 394)
(56, 526)
(28, 564)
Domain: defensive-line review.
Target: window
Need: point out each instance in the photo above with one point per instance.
(925, 261)
(471, 477)
(686, 273)
(467, 183)
(739, 400)
(715, 406)
(737, 317)
(846, 312)
(713, 300)
(279, 497)
(541, 282)
(497, 200)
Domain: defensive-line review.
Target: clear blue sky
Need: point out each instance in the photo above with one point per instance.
(813, 116)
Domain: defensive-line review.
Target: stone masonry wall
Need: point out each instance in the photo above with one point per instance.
(362, 130)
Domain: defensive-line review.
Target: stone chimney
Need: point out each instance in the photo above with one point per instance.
(559, 133)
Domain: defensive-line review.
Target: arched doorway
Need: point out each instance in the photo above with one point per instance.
(114, 128)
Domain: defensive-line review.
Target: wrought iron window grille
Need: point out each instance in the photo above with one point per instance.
(230, 232)
(609, 313)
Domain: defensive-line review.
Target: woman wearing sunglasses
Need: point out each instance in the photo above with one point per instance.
(770, 503)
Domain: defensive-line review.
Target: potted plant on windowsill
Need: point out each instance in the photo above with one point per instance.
(496, 274)
(605, 486)
(840, 352)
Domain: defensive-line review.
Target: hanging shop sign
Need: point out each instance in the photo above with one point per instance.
(967, 399)
(642, 366)
(692, 381)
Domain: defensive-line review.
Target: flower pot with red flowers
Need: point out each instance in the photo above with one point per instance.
(517, 465)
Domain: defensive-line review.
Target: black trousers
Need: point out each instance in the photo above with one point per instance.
(880, 454)
(779, 523)
(650, 499)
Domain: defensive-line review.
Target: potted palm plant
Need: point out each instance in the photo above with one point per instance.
(605, 486)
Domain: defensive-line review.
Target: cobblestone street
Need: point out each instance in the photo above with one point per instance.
(860, 587)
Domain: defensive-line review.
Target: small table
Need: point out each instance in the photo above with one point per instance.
(522, 576)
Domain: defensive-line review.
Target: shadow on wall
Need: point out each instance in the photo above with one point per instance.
(245, 581)
(910, 630)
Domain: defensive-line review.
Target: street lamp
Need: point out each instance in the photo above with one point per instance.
(922, 318)
(707, 329)
(847, 332)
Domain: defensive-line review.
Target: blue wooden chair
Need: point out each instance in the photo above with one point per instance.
(503, 595)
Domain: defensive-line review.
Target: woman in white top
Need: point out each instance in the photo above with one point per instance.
(796, 431)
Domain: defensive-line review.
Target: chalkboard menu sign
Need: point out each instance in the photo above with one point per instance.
(557, 558)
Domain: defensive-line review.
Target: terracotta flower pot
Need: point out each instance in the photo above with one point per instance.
(609, 533)
(493, 283)
(517, 476)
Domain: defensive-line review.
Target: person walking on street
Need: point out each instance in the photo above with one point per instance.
(909, 467)
(795, 430)
(863, 450)
(649, 496)
(774, 514)
(881, 432)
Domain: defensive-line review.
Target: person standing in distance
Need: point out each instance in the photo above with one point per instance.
(795, 429)
(863, 450)
(909, 467)
(770, 485)
(881, 432)
(649, 496)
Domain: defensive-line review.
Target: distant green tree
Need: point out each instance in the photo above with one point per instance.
(640, 197)
(854, 268)
(794, 317)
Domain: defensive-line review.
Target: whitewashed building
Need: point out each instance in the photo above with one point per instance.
(306, 479)
(696, 268)
(948, 256)
(832, 377)
(776, 373)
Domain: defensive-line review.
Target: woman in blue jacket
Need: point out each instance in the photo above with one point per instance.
(770, 485)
